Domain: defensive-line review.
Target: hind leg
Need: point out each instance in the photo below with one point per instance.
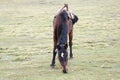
(70, 43)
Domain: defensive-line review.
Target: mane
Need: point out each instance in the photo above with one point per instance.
(63, 28)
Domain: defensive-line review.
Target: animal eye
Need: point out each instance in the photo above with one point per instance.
(58, 47)
(66, 46)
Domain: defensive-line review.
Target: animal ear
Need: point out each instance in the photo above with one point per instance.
(66, 46)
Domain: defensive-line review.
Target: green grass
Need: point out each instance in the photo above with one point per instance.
(26, 40)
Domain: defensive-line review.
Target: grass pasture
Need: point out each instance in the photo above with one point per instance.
(26, 40)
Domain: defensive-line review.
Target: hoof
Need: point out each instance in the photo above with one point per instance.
(64, 71)
(71, 57)
(52, 66)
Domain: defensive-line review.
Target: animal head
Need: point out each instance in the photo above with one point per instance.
(63, 56)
